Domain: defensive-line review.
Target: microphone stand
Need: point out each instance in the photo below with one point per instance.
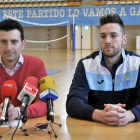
(24, 120)
(6, 120)
(50, 122)
(50, 116)
(23, 110)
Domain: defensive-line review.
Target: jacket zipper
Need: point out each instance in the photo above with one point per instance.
(113, 90)
(113, 84)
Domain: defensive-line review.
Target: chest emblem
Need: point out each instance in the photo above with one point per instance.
(125, 80)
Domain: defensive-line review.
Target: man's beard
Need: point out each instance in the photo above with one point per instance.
(113, 52)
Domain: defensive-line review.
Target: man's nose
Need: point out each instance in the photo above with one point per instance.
(8, 46)
(108, 40)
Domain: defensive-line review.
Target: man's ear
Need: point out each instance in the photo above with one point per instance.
(23, 43)
(124, 39)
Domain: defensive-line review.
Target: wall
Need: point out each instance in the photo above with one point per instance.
(95, 37)
(58, 32)
(40, 34)
(132, 31)
(35, 34)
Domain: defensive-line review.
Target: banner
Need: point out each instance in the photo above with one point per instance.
(87, 15)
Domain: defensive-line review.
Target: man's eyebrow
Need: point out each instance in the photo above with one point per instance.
(14, 39)
(110, 33)
(102, 33)
(113, 33)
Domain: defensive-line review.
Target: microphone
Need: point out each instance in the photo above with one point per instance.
(8, 93)
(48, 95)
(28, 93)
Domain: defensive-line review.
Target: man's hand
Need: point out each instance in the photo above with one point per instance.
(116, 115)
(12, 112)
(113, 115)
(1, 105)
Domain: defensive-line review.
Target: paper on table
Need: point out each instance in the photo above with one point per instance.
(12, 124)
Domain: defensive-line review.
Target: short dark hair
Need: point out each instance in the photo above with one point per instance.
(112, 18)
(9, 24)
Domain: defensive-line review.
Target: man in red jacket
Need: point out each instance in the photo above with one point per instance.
(17, 67)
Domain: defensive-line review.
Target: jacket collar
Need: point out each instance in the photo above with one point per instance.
(101, 55)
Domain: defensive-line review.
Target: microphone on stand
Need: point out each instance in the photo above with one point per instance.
(28, 93)
(8, 93)
(26, 96)
(48, 95)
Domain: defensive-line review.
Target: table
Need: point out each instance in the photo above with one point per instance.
(76, 129)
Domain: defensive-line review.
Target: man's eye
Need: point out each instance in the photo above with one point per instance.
(14, 41)
(113, 36)
(102, 36)
(3, 41)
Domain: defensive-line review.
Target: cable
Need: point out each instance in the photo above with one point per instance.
(51, 131)
(16, 127)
